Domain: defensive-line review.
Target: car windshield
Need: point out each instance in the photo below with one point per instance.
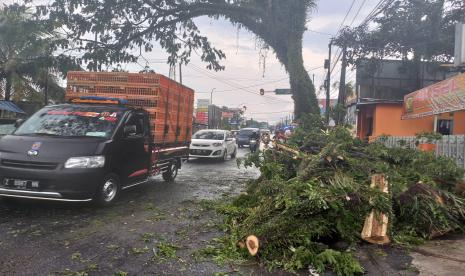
(7, 128)
(72, 121)
(245, 132)
(209, 135)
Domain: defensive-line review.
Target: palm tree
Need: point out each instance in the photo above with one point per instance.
(29, 70)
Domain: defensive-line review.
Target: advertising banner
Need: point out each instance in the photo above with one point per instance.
(227, 115)
(202, 118)
(442, 97)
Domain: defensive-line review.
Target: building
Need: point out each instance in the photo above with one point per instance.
(214, 116)
(201, 113)
(379, 105)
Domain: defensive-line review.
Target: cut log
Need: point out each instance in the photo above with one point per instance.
(252, 245)
(376, 224)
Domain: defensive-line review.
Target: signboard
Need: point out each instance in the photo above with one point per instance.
(227, 114)
(282, 91)
(203, 103)
(442, 97)
(202, 118)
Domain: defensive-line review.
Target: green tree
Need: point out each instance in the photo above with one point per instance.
(411, 30)
(28, 66)
(120, 27)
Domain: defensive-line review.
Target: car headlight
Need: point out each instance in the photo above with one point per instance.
(217, 144)
(85, 162)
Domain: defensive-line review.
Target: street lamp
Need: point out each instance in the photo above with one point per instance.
(211, 96)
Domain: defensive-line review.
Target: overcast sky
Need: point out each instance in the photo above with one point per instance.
(240, 82)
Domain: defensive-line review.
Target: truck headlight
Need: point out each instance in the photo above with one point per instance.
(217, 144)
(85, 162)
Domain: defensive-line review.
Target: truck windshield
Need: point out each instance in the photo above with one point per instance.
(72, 121)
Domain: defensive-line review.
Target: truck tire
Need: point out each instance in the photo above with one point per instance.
(171, 173)
(108, 190)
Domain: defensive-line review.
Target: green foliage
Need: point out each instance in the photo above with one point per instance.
(428, 137)
(409, 30)
(167, 250)
(301, 207)
(28, 63)
(137, 25)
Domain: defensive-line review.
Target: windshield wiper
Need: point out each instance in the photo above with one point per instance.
(37, 134)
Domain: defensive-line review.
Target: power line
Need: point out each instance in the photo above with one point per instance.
(232, 84)
(382, 5)
(345, 17)
(273, 112)
(318, 32)
(251, 86)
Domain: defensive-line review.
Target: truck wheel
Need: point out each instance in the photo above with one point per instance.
(108, 191)
(171, 173)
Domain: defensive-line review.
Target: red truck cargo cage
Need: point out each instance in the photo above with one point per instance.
(169, 103)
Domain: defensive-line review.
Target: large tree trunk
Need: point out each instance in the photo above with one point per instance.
(303, 90)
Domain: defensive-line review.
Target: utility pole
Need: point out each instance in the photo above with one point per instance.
(180, 72)
(46, 87)
(211, 96)
(95, 52)
(342, 85)
(328, 82)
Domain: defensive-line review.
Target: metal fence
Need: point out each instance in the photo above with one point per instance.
(452, 146)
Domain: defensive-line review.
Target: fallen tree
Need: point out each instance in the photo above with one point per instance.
(313, 197)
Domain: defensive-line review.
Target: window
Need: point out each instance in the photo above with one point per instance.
(138, 121)
(445, 127)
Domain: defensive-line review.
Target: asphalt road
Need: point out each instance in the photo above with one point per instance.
(153, 229)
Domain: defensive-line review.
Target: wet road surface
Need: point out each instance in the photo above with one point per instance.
(153, 229)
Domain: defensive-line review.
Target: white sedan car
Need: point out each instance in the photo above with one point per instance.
(213, 143)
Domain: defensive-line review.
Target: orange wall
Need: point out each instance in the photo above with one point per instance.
(459, 122)
(387, 120)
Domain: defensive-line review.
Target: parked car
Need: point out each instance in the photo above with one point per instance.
(243, 137)
(7, 126)
(209, 143)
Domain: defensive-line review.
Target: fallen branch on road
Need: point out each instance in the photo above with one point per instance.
(315, 193)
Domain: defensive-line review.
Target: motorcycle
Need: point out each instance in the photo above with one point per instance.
(253, 145)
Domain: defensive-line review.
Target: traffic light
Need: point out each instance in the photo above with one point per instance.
(262, 91)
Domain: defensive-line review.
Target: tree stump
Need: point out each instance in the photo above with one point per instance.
(376, 224)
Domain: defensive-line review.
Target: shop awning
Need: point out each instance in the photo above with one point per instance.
(9, 106)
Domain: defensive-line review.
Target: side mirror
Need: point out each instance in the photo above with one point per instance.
(130, 130)
(19, 122)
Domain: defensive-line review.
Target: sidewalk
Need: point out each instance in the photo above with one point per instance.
(444, 257)
(441, 257)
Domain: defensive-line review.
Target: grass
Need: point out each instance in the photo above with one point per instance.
(139, 251)
(167, 250)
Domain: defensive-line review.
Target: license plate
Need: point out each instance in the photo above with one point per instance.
(22, 184)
